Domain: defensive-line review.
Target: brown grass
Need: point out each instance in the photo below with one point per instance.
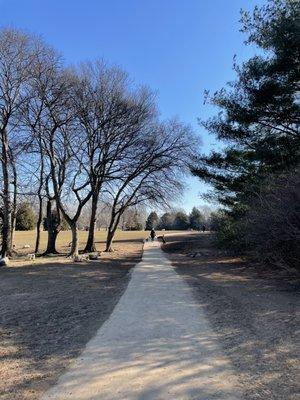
(125, 243)
(252, 310)
(22, 238)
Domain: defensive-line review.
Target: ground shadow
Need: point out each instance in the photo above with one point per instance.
(252, 309)
(48, 312)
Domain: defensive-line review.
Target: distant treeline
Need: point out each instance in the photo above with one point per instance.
(178, 220)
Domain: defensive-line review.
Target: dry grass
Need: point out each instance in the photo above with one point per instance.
(125, 244)
(64, 238)
(22, 238)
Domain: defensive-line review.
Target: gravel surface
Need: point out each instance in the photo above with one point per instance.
(253, 311)
(49, 311)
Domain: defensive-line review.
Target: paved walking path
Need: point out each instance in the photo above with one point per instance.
(156, 345)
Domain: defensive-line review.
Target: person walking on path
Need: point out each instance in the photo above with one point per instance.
(152, 234)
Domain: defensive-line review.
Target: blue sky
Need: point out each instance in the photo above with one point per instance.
(177, 47)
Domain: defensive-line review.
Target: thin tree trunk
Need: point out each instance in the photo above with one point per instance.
(109, 241)
(7, 206)
(115, 219)
(38, 225)
(14, 205)
(90, 244)
(40, 216)
(74, 244)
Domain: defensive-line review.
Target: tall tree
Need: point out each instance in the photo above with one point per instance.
(17, 55)
(154, 175)
(260, 113)
(166, 221)
(196, 219)
(63, 145)
(152, 221)
(36, 120)
(181, 221)
(110, 116)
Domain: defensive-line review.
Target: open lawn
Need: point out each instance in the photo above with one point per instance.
(125, 243)
(64, 238)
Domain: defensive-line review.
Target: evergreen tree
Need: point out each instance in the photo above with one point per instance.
(260, 112)
(196, 219)
(152, 221)
(25, 218)
(258, 124)
(181, 221)
(167, 221)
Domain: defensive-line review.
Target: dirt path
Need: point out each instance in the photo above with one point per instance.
(253, 312)
(49, 311)
(156, 345)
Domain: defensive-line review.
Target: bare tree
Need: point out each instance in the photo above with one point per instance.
(36, 119)
(17, 52)
(71, 137)
(65, 147)
(154, 174)
(110, 116)
(59, 143)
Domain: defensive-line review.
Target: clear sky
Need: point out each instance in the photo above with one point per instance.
(177, 47)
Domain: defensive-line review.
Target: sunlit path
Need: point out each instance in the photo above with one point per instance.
(157, 344)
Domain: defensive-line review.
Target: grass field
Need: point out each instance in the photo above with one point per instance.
(125, 244)
(23, 238)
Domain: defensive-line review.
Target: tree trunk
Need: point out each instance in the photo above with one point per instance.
(7, 206)
(109, 240)
(74, 244)
(40, 197)
(115, 219)
(6, 229)
(90, 244)
(51, 244)
(52, 231)
(14, 204)
(38, 225)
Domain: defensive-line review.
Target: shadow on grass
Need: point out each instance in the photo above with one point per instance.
(48, 312)
(253, 311)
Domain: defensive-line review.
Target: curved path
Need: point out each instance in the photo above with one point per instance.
(156, 345)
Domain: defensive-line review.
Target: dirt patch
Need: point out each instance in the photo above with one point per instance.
(49, 311)
(253, 310)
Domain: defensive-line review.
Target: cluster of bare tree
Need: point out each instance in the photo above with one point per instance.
(71, 137)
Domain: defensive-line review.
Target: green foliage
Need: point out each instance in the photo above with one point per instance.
(258, 124)
(274, 216)
(137, 226)
(227, 235)
(166, 221)
(217, 220)
(196, 219)
(152, 221)
(260, 113)
(25, 218)
(181, 221)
